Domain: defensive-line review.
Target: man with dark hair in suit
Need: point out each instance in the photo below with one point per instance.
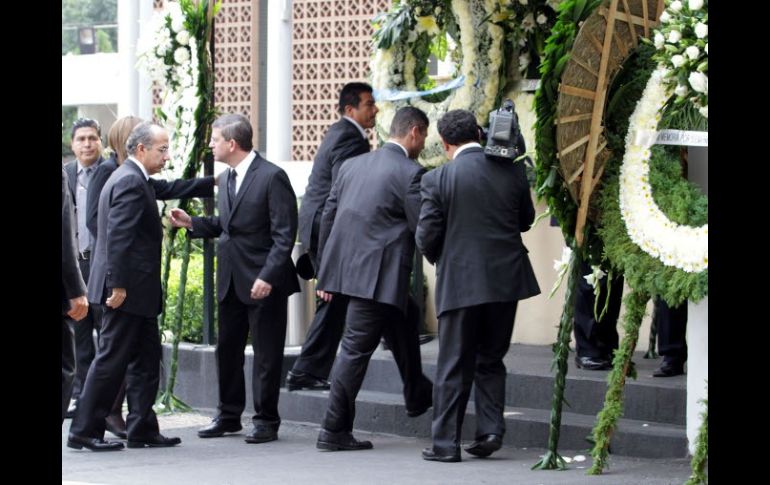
(474, 209)
(344, 139)
(366, 248)
(125, 279)
(87, 147)
(256, 226)
(74, 303)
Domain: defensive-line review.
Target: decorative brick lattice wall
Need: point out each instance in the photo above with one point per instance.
(330, 47)
(235, 59)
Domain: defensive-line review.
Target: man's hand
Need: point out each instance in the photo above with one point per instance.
(179, 218)
(78, 308)
(117, 298)
(325, 296)
(261, 289)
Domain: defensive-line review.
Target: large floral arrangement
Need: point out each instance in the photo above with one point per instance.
(170, 54)
(405, 38)
(683, 46)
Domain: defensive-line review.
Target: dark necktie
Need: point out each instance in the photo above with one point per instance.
(231, 186)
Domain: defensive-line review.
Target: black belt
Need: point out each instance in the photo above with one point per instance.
(84, 255)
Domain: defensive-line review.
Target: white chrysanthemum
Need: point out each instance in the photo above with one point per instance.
(181, 55)
(701, 30)
(183, 37)
(541, 19)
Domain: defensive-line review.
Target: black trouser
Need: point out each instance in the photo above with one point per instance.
(67, 365)
(472, 344)
(367, 322)
(597, 339)
(84, 336)
(267, 323)
(672, 329)
(129, 346)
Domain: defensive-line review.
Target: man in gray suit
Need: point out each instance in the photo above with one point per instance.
(256, 226)
(74, 303)
(473, 211)
(366, 244)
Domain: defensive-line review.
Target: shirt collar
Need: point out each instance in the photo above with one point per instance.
(406, 153)
(355, 123)
(472, 144)
(243, 165)
(141, 167)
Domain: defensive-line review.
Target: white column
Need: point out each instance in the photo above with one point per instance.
(144, 86)
(697, 322)
(128, 30)
(278, 129)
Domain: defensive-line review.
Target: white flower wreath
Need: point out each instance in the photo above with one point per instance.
(481, 46)
(684, 247)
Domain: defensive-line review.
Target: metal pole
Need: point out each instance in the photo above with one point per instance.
(209, 334)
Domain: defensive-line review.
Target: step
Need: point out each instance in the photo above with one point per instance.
(526, 427)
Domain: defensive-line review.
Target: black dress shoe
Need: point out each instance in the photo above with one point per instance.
(591, 363)
(300, 380)
(93, 444)
(157, 441)
(413, 413)
(262, 433)
(485, 445)
(218, 428)
(342, 441)
(669, 370)
(431, 455)
(115, 424)
(425, 338)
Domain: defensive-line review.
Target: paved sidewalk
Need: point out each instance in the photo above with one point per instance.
(293, 459)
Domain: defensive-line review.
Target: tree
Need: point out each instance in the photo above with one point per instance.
(76, 13)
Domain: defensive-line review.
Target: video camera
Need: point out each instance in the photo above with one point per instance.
(503, 137)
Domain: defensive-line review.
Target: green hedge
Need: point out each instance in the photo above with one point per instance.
(192, 320)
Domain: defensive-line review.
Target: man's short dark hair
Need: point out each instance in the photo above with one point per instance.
(85, 123)
(351, 95)
(405, 119)
(235, 127)
(458, 127)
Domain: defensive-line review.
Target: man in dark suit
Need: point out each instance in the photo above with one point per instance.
(344, 139)
(256, 226)
(366, 244)
(125, 278)
(87, 147)
(473, 211)
(74, 303)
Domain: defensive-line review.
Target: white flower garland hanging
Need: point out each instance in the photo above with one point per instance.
(481, 48)
(684, 247)
(169, 55)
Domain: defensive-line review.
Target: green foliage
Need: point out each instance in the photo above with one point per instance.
(84, 13)
(68, 116)
(635, 303)
(192, 316)
(103, 42)
(700, 458)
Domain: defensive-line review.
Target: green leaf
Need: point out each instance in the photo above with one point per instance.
(577, 12)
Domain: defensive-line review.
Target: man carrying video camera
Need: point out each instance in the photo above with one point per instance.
(473, 211)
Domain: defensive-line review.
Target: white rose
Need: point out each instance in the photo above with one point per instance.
(182, 55)
(677, 60)
(680, 90)
(674, 36)
(706, 48)
(704, 111)
(183, 37)
(699, 82)
(676, 6)
(695, 4)
(659, 40)
(541, 19)
(701, 30)
(692, 52)
(665, 17)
